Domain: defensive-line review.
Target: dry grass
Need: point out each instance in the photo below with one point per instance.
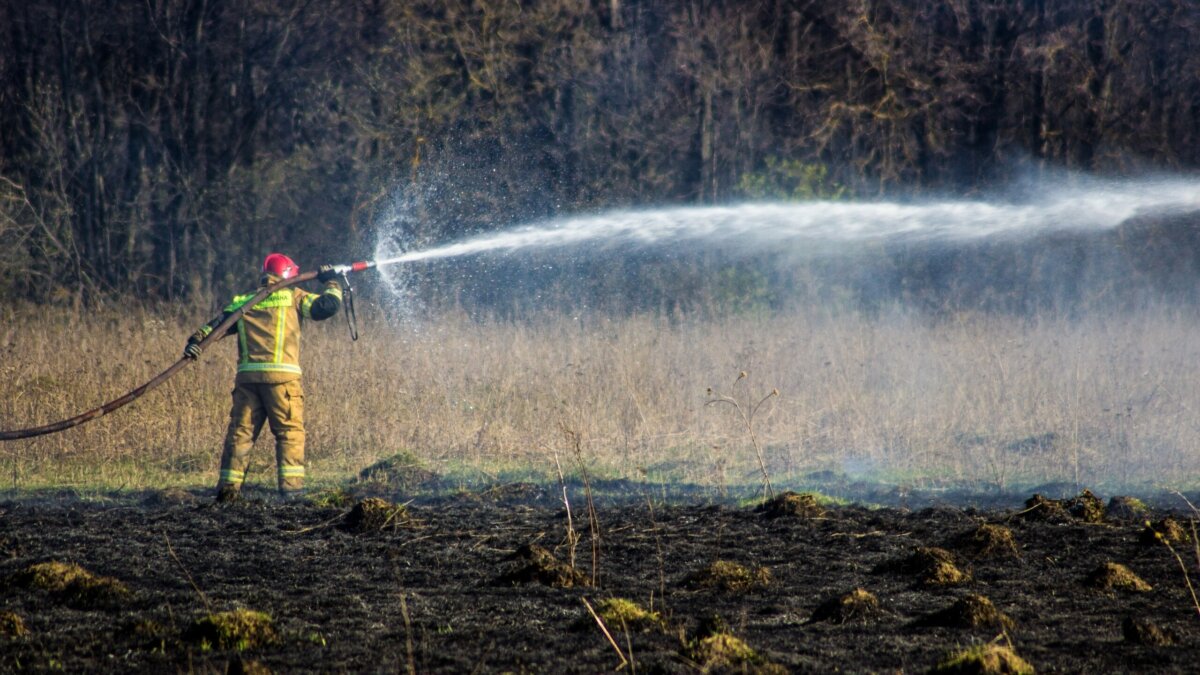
(1103, 401)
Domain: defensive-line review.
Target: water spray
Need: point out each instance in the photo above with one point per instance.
(1093, 205)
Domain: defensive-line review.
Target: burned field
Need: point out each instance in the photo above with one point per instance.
(484, 582)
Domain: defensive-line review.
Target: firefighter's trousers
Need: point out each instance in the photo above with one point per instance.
(280, 405)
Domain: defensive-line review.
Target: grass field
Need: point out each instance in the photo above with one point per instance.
(977, 401)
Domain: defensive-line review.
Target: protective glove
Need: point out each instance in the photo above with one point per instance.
(193, 349)
(326, 273)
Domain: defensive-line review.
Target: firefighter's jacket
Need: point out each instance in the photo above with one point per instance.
(269, 333)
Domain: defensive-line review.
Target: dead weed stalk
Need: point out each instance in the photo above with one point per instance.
(186, 574)
(575, 442)
(572, 535)
(746, 412)
(1187, 579)
(604, 629)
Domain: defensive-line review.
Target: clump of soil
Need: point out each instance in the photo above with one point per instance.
(730, 577)
(509, 492)
(1145, 632)
(73, 584)
(932, 565)
(147, 628)
(247, 667)
(943, 574)
(401, 471)
(918, 561)
(989, 659)
(712, 624)
(1126, 508)
(239, 629)
(857, 605)
(148, 632)
(1087, 507)
(1038, 507)
(988, 541)
(374, 514)
(540, 566)
(624, 614)
(1115, 576)
(12, 625)
(970, 611)
(802, 505)
(169, 497)
(1168, 530)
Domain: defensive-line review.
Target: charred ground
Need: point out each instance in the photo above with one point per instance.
(436, 588)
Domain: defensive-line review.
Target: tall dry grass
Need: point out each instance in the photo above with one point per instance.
(982, 400)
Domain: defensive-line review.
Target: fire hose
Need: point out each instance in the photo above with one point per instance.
(217, 334)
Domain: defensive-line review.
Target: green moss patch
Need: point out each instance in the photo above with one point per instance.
(715, 649)
(374, 514)
(721, 649)
(1115, 576)
(537, 565)
(627, 614)
(791, 504)
(1126, 508)
(239, 629)
(332, 498)
(73, 584)
(984, 660)
(730, 577)
(859, 605)
(970, 611)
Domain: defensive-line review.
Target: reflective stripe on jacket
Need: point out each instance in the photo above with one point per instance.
(269, 333)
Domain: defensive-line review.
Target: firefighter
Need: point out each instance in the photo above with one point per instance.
(267, 387)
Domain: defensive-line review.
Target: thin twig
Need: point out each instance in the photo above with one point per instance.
(1187, 579)
(203, 597)
(412, 666)
(1196, 542)
(629, 646)
(662, 563)
(318, 526)
(1185, 501)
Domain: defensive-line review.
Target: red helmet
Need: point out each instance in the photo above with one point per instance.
(278, 264)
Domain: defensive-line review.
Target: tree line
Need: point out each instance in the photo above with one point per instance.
(160, 147)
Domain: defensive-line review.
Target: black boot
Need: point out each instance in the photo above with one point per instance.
(292, 496)
(229, 494)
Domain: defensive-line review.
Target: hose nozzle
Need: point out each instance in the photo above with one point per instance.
(353, 267)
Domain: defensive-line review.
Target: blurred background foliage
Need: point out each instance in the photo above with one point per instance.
(157, 149)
